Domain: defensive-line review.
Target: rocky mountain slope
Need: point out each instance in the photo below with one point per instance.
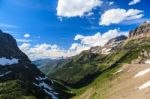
(90, 74)
(19, 78)
(87, 64)
(141, 31)
(128, 77)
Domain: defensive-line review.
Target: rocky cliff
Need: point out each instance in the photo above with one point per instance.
(16, 67)
(141, 31)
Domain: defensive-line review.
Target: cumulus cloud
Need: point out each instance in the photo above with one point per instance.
(26, 35)
(73, 8)
(98, 39)
(133, 2)
(115, 16)
(54, 51)
(42, 51)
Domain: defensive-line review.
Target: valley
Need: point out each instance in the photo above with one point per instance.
(93, 75)
(119, 69)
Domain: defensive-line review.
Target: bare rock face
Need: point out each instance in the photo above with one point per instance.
(23, 70)
(113, 44)
(109, 46)
(141, 31)
(9, 48)
(96, 50)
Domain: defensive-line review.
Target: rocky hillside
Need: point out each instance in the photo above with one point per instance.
(113, 44)
(127, 76)
(141, 31)
(92, 73)
(19, 78)
(87, 64)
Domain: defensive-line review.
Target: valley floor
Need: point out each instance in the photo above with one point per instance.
(132, 81)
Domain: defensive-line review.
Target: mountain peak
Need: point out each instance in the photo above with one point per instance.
(15, 65)
(9, 48)
(141, 31)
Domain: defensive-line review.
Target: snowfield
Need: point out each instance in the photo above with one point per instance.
(41, 78)
(6, 73)
(145, 85)
(47, 89)
(4, 61)
(141, 73)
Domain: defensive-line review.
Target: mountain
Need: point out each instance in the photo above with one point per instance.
(82, 68)
(93, 74)
(141, 31)
(113, 44)
(49, 66)
(128, 76)
(109, 46)
(19, 78)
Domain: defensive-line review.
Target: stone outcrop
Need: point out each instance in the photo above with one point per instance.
(141, 31)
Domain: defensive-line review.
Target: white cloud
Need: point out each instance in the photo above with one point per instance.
(26, 35)
(133, 2)
(42, 51)
(77, 48)
(115, 16)
(54, 51)
(110, 3)
(73, 8)
(98, 39)
(23, 40)
(4, 61)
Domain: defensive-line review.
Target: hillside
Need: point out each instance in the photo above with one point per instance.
(120, 76)
(49, 66)
(19, 78)
(93, 75)
(85, 67)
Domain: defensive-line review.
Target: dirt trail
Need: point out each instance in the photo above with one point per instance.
(126, 86)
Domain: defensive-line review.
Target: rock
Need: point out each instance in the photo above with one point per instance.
(141, 31)
(23, 70)
(112, 44)
(9, 48)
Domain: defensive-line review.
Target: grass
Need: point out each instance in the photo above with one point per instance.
(99, 87)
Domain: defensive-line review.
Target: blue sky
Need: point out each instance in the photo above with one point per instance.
(61, 26)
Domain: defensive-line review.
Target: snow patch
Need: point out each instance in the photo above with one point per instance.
(147, 62)
(145, 85)
(46, 88)
(141, 73)
(49, 93)
(41, 78)
(6, 73)
(4, 61)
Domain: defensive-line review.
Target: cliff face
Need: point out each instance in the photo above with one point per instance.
(141, 31)
(15, 65)
(9, 48)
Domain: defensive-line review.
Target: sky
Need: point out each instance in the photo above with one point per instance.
(63, 28)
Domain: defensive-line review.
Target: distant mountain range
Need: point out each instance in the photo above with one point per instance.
(49, 66)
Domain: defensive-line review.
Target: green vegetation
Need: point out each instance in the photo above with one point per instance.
(98, 69)
(99, 87)
(14, 90)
